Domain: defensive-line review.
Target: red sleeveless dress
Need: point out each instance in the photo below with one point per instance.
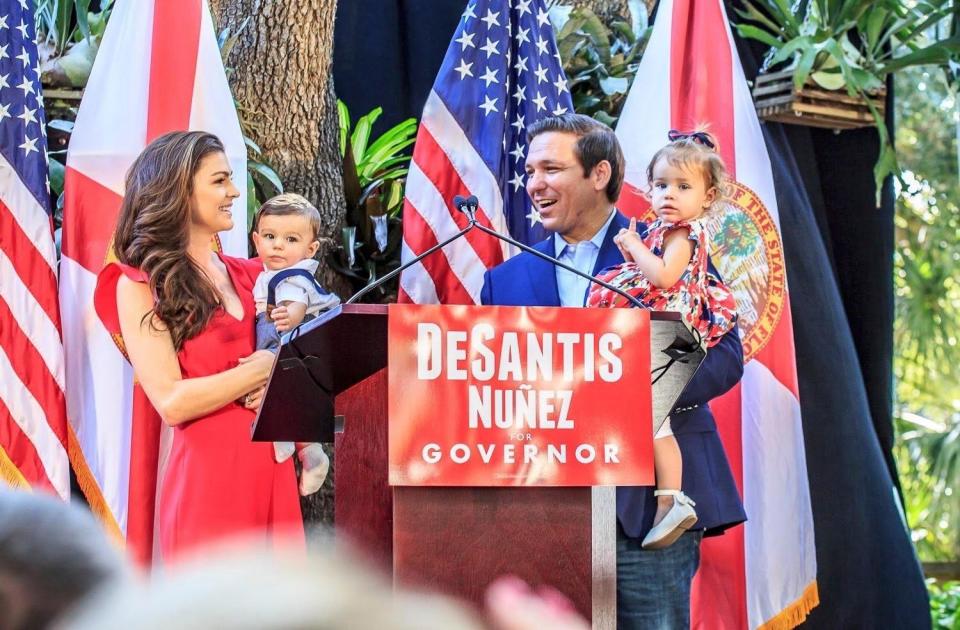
(217, 481)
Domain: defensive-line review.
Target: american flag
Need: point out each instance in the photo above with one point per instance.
(501, 72)
(33, 424)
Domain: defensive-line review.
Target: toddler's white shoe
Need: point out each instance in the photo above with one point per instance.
(316, 464)
(679, 519)
(282, 451)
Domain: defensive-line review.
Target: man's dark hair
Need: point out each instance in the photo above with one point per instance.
(596, 142)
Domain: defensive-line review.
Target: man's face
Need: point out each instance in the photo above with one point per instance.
(569, 202)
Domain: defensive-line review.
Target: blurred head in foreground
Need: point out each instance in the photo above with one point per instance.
(52, 555)
(254, 589)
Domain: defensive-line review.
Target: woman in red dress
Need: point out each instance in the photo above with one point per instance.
(185, 314)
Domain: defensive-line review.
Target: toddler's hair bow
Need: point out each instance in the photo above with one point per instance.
(696, 136)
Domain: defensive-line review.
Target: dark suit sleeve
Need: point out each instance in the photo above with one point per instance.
(486, 293)
(720, 370)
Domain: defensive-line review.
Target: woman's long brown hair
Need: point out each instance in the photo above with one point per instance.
(154, 230)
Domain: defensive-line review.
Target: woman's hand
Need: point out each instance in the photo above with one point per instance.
(260, 362)
(253, 400)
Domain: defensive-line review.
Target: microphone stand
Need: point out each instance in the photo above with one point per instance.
(393, 274)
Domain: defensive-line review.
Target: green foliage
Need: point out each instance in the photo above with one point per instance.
(69, 36)
(944, 604)
(931, 507)
(599, 61)
(927, 311)
(374, 176)
(852, 44)
(381, 166)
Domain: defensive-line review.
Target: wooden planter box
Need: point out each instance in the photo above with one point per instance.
(777, 100)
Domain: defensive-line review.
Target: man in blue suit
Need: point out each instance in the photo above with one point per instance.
(574, 174)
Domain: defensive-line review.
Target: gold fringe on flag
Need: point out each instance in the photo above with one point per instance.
(91, 489)
(796, 613)
(10, 473)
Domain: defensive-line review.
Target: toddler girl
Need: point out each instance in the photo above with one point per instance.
(666, 269)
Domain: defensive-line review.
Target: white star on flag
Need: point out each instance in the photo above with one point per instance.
(26, 86)
(4, 112)
(534, 217)
(523, 36)
(517, 152)
(468, 12)
(541, 102)
(29, 145)
(28, 115)
(542, 47)
(541, 73)
(24, 56)
(465, 40)
(23, 29)
(518, 123)
(3, 23)
(522, 64)
(523, 6)
(517, 182)
(3, 80)
(520, 93)
(491, 19)
(489, 105)
(561, 84)
(490, 76)
(3, 52)
(464, 69)
(542, 19)
(490, 48)
(559, 111)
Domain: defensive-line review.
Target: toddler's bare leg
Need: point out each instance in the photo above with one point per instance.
(669, 467)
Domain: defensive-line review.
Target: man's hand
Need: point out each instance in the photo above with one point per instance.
(288, 315)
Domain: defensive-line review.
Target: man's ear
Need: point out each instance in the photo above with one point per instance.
(314, 246)
(601, 175)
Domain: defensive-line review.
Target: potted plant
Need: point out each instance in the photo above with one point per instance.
(829, 59)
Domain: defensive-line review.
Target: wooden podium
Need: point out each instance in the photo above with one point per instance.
(330, 383)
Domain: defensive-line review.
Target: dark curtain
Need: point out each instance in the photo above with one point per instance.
(387, 53)
(839, 249)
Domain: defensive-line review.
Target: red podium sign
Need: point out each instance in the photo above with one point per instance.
(512, 396)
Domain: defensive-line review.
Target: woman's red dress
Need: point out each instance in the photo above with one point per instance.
(217, 482)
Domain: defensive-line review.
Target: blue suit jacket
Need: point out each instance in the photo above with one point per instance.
(526, 280)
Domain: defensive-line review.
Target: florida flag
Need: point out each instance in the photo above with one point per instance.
(764, 573)
(157, 70)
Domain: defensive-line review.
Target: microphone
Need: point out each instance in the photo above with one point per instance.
(457, 202)
(469, 206)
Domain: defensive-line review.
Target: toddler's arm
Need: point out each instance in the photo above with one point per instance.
(288, 315)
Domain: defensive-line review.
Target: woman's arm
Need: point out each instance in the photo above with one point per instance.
(663, 272)
(155, 365)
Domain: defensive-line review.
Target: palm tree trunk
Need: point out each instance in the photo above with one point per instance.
(282, 78)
